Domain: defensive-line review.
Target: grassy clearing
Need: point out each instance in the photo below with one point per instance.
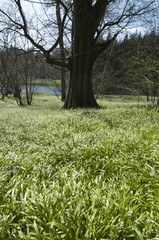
(47, 82)
(79, 174)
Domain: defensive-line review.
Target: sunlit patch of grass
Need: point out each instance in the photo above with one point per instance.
(79, 174)
(47, 82)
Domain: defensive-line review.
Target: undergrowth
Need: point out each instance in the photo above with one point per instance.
(80, 174)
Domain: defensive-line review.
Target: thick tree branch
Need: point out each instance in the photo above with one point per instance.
(127, 14)
(99, 9)
(54, 61)
(46, 53)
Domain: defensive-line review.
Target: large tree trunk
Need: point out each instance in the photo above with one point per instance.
(63, 84)
(80, 92)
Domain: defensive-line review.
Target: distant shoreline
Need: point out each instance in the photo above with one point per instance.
(46, 82)
(48, 89)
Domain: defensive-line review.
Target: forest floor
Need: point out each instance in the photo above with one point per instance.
(79, 174)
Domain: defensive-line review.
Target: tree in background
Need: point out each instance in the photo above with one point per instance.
(82, 24)
(143, 64)
(5, 83)
(10, 79)
(62, 51)
(129, 66)
(145, 75)
(28, 73)
(17, 71)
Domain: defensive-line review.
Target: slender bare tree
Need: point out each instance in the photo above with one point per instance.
(62, 51)
(17, 70)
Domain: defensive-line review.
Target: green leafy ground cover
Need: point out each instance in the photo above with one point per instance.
(79, 174)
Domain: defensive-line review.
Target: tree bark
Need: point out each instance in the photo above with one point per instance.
(80, 92)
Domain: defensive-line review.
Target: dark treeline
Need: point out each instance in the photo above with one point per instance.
(130, 66)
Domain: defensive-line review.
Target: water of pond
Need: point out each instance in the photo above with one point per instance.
(47, 89)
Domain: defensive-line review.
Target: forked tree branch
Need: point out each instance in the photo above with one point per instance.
(23, 26)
